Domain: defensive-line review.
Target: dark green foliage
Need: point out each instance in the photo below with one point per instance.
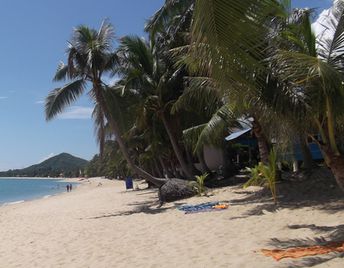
(110, 165)
(63, 164)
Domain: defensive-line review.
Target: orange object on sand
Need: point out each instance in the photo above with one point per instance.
(299, 252)
(221, 206)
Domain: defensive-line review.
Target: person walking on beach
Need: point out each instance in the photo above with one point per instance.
(68, 187)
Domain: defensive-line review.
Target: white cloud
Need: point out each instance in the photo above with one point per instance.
(3, 98)
(47, 157)
(322, 23)
(77, 112)
(39, 102)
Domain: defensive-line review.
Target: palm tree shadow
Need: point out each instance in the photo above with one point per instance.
(146, 207)
(259, 210)
(330, 201)
(146, 191)
(331, 234)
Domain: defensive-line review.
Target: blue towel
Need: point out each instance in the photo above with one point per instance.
(198, 208)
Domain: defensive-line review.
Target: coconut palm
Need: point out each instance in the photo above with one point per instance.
(169, 26)
(233, 60)
(317, 68)
(90, 57)
(314, 79)
(149, 74)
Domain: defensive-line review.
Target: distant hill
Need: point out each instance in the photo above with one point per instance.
(64, 163)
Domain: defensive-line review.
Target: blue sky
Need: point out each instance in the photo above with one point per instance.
(33, 41)
(319, 4)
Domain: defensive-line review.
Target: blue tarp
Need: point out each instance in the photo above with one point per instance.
(237, 134)
(314, 149)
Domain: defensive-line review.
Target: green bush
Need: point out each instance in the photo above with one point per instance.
(265, 175)
(199, 185)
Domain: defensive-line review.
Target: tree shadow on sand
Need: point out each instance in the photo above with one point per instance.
(329, 234)
(146, 207)
(140, 209)
(291, 195)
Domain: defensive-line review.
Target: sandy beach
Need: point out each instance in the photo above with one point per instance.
(106, 226)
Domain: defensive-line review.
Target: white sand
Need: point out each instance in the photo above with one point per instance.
(105, 226)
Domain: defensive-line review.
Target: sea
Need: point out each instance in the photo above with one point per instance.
(13, 191)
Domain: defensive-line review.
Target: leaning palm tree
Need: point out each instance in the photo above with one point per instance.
(90, 56)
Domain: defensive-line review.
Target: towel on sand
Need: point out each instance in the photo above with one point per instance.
(299, 252)
(204, 207)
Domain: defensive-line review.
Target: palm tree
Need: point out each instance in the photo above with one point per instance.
(316, 67)
(149, 74)
(233, 60)
(170, 24)
(90, 56)
(314, 78)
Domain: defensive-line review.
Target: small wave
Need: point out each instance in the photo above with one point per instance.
(14, 203)
(46, 196)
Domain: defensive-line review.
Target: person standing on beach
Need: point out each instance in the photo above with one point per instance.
(68, 187)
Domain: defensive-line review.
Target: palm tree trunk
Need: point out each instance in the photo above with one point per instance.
(308, 162)
(114, 127)
(157, 168)
(337, 168)
(336, 164)
(176, 148)
(263, 144)
(156, 181)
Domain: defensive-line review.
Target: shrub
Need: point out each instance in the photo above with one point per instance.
(265, 175)
(199, 185)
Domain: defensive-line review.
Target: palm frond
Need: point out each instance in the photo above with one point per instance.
(222, 28)
(331, 46)
(164, 17)
(301, 69)
(212, 132)
(105, 37)
(201, 95)
(137, 53)
(61, 72)
(59, 98)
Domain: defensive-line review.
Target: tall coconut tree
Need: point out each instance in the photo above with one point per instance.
(90, 56)
(149, 73)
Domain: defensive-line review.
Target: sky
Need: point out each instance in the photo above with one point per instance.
(33, 40)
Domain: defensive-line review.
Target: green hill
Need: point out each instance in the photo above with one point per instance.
(64, 163)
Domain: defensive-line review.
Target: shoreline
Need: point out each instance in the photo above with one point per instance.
(43, 178)
(76, 181)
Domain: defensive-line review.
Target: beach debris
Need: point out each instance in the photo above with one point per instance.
(175, 189)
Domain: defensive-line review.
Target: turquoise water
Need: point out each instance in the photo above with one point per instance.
(17, 190)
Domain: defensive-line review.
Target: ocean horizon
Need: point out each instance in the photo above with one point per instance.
(17, 190)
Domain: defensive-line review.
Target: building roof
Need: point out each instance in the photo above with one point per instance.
(237, 134)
